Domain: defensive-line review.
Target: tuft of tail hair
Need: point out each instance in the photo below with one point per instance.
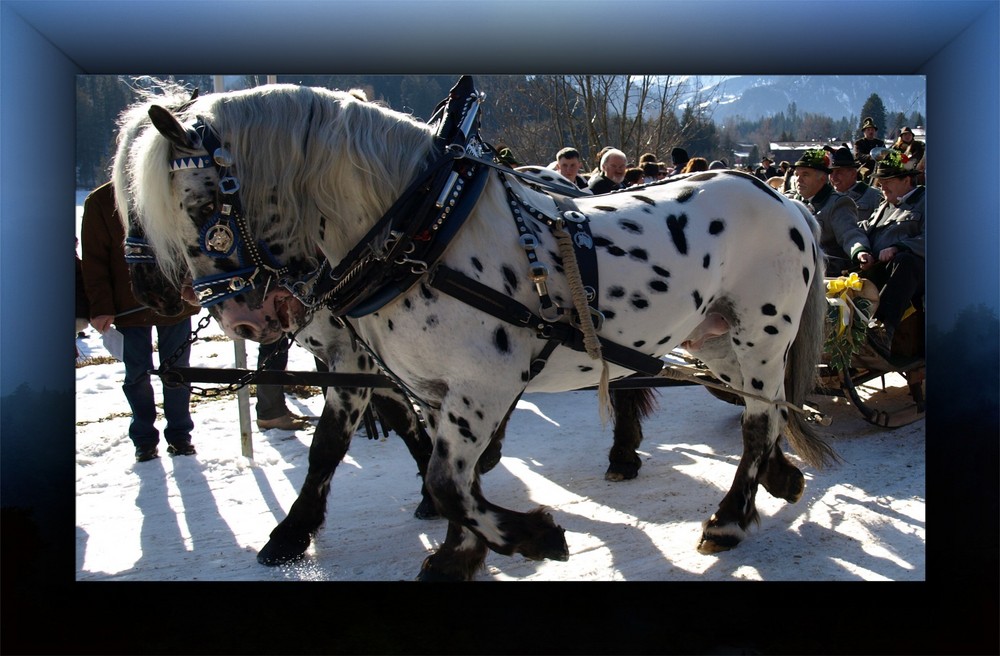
(643, 401)
(801, 376)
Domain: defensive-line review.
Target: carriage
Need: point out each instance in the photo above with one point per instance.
(396, 233)
(861, 374)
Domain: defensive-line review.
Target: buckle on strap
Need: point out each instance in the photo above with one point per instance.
(215, 289)
(595, 315)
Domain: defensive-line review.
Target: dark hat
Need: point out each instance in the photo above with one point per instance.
(843, 159)
(679, 156)
(906, 131)
(895, 165)
(716, 164)
(767, 158)
(868, 123)
(817, 159)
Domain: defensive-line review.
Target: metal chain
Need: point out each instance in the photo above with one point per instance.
(171, 378)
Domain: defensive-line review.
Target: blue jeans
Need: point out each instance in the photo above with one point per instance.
(138, 355)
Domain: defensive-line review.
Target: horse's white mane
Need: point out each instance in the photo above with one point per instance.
(305, 153)
(138, 190)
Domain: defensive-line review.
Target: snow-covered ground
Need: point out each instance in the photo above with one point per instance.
(204, 517)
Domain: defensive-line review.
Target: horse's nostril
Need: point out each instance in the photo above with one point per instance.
(245, 331)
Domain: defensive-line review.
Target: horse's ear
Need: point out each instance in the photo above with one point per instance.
(168, 125)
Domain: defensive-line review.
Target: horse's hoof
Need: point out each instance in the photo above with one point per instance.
(557, 547)
(618, 473)
(716, 538)
(429, 572)
(549, 544)
(622, 471)
(435, 576)
(279, 552)
(789, 487)
(426, 510)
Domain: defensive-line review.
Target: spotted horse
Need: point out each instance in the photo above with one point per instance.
(325, 337)
(444, 265)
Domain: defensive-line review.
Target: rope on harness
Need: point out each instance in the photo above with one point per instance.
(674, 372)
(591, 341)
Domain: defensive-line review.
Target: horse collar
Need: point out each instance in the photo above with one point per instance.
(409, 239)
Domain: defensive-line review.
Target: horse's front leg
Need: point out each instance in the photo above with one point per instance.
(463, 427)
(727, 527)
(341, 415)
(397, 413)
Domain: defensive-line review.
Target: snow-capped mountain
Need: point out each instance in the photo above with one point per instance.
(836, 96)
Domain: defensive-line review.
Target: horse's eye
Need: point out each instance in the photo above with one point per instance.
(207, 210)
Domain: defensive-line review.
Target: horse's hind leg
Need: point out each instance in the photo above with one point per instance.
(631, 406)
(341, 415)
(727, 527)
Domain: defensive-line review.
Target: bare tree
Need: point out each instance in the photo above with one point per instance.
(537, 115)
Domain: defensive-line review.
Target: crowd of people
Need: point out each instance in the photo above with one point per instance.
(868, 199)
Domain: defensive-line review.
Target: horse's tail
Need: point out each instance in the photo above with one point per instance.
(801, 373)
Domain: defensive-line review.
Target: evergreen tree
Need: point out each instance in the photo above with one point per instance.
(875, 108)
(99, 100)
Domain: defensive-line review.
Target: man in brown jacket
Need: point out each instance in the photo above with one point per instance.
(109, 291)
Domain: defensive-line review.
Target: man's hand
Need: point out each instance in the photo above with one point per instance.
(102, 322)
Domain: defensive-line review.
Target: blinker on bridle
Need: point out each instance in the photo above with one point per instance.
(227, 232)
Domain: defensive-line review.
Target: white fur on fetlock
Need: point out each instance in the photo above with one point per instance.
(715, 538)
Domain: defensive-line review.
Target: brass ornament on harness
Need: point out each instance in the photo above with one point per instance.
(220, 238)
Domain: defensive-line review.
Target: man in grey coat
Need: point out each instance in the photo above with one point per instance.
(844, 178)
(896, 234)
(842, 240)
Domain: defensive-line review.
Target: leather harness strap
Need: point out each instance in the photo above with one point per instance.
(474, 293)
